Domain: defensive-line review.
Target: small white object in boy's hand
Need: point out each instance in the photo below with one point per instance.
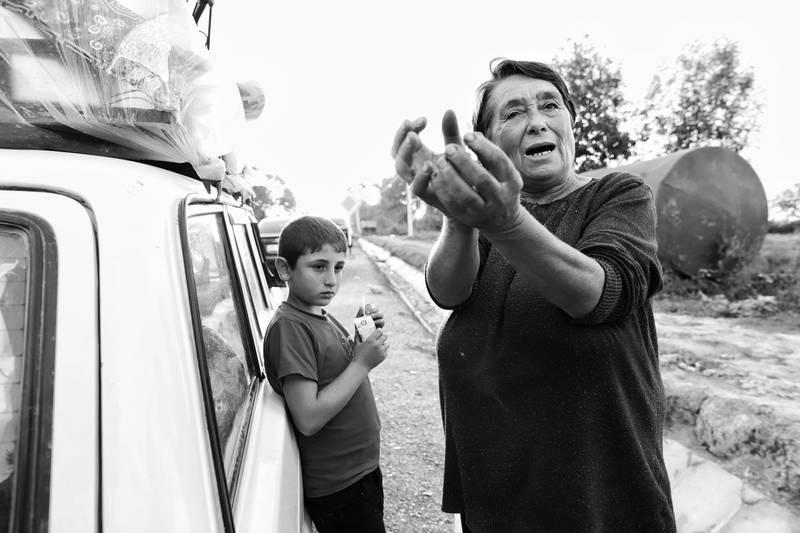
(365, 326)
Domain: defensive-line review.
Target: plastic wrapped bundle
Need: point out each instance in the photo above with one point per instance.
(129, 79)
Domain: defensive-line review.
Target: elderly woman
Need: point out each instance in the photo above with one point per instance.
(551, 395)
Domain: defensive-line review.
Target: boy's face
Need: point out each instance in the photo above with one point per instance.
(315, 279)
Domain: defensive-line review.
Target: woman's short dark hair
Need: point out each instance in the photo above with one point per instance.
(502, 68)
(308, 234)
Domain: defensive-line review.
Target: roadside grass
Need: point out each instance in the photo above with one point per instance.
(413, 251)
(768, 285)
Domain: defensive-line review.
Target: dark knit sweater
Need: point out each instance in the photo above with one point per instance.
(554, 424)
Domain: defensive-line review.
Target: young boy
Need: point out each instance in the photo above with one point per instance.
(323, 376)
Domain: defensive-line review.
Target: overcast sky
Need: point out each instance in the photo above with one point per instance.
(341, 76)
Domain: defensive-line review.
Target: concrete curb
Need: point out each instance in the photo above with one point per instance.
(706, 497)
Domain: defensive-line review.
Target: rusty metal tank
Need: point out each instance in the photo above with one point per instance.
(711, 205)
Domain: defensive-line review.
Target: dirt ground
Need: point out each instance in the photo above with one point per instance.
(733, 389)
(406, 391)
(760, 356)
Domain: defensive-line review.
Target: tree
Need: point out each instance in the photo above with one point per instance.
(596, 88)
(705, 99)
(428, 218)
(272, 197)
(391, 215)
(788, 203)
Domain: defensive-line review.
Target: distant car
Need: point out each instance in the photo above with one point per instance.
(344, 225)
(269, 230)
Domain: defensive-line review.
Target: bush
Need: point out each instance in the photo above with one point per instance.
(783, 226)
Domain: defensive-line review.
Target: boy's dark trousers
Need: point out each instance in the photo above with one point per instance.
(355, 509)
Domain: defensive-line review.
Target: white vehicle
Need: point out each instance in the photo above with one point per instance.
(133, 297)
(133, 306)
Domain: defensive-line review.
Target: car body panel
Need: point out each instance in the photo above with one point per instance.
(155, 453)
(74, 460)
(140, 473)
(263, 475)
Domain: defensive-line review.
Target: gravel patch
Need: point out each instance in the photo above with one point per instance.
(407, 394)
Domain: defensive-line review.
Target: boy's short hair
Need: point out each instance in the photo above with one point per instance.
(308, 234)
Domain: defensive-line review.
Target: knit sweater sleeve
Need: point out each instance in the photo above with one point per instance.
(620, 234)
(483, 253)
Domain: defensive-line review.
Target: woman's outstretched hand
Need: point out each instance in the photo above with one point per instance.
(483, 194)
(414, 162)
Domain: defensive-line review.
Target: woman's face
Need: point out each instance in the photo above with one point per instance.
(532, 125)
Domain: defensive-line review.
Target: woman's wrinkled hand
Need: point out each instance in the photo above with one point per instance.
(413, 161)
(483, 194)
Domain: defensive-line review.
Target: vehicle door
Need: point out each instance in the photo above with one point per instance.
(253, 448)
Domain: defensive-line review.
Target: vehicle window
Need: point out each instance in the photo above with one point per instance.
(14, 258)
(230, 371)
(255, 287)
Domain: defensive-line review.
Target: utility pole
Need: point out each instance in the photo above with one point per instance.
(357, 212)
(409, 211)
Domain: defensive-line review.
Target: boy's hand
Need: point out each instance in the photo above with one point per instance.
(372, 351)
(374, 312)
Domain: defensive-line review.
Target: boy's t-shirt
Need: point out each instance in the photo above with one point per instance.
(319, 348)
